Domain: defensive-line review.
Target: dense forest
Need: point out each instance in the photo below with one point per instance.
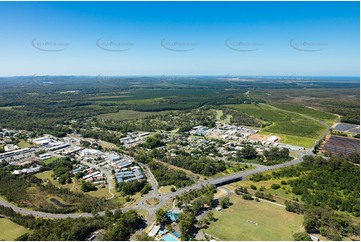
(166, 176)
(200, 165)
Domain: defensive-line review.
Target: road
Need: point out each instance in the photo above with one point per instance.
(104, 171)
(162, 198)
(165, 197)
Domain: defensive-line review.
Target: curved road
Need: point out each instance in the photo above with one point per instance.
(141, 205)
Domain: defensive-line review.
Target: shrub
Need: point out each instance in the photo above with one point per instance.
(275, 186)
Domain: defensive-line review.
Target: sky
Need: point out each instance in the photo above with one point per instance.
(180, 38)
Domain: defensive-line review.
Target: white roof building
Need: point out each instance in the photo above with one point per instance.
(272, 139)
(154, 231)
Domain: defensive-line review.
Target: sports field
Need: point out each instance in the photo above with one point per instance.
(294, 129)
(10, 230)
(250, 220)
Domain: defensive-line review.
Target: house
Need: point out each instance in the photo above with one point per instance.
(89, 179)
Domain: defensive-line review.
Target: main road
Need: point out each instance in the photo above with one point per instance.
(162, 197)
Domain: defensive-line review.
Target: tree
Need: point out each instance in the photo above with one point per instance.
(225, 202)
(87, 187)
(249, 152)
(277, 154)
(173, 189)
(197, 205)
(301, 236)
(354, 157)
(144, 237)
(161, 216)
(247, 197)
(186, 224)
(210, 216)
(275, 186)
(126, 224)
(154, 141)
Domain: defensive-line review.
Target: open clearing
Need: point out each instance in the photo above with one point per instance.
(11, 230)
(74, 186)
(165, 189)
(319, 115)
(293, 128)
(24, 144)
(250, 220)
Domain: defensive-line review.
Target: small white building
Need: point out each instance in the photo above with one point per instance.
(272, 139)
(11, 147)
(154, 231)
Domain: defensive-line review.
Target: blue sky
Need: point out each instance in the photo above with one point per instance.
(180, 38)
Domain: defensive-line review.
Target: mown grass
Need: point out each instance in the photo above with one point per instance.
(24, 144)
(273, 222)
(10, 230)
(293, 129)
(50, 160)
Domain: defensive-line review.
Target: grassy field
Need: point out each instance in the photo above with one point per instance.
(10, 230)
(75, 186)
(107, 145)
(220, 193)
(46, 175)
(50, 160)
(273, 222)
(152, 201)
(165, 189)
(143, 213)
(280, 195)
(293, 129)
(233, 168)
(127, 114)
(24, 144)
(319, 115)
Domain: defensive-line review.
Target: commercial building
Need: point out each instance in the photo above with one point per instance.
(17, 155)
